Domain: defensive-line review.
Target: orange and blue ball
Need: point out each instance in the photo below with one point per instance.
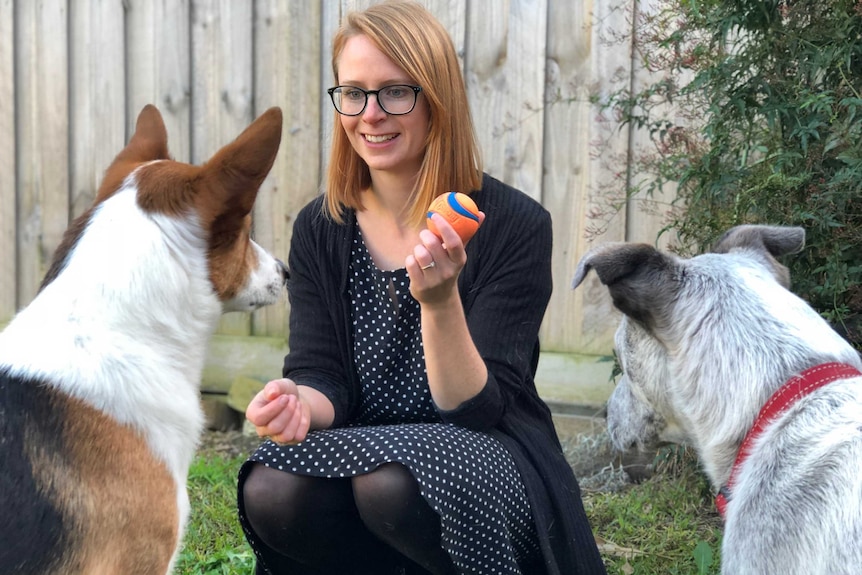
(459, 210)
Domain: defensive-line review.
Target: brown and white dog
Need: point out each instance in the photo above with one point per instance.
(99, 376)
(718, 353)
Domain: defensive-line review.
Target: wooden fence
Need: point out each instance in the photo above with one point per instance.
(75, 73)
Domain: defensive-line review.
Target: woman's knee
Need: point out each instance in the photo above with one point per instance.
(266, 489)
(266, 496)
(383, 488)
(276, 502)
(391, 506)
(388, 498)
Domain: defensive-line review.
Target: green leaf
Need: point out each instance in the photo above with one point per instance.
(702, 557)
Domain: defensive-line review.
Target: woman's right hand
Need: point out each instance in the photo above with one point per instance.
(279, 412)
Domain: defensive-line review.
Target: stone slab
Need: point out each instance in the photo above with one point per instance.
(581, 380)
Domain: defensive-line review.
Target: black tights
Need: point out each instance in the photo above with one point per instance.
(373, 524)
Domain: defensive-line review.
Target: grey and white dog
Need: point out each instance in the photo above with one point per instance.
(703, 345)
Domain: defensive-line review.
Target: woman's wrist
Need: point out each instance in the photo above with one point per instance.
(321, 410)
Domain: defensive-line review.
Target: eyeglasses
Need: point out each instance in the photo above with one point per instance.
(395, 100)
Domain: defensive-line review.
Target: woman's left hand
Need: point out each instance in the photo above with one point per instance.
(435, 263)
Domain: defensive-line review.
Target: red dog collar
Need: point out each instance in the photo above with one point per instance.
(796, 388)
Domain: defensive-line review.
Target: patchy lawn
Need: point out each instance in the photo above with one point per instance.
(665, 525)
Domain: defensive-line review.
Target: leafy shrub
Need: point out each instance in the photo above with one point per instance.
(765, 127)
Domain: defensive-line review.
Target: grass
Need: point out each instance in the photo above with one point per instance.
(214, 543)
(664, 526)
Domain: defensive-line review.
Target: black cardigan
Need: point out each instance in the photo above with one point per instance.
(505, 288)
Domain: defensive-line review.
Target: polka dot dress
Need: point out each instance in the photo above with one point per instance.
(467, 477)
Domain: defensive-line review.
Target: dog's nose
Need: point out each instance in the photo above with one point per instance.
(285, 273)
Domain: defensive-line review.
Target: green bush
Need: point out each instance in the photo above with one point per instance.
(765, 124)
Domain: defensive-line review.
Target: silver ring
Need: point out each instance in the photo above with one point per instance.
(429, 266)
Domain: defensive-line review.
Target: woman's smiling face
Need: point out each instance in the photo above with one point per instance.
(387, 143)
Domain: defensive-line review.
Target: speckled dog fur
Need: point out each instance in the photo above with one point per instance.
(703, 344)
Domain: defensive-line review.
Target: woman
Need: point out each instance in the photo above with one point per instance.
(406, 435)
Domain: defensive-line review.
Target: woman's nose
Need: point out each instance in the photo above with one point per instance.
(372, 110)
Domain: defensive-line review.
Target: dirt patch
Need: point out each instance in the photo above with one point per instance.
(231, 443)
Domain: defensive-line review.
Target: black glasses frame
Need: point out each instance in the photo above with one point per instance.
(376, 93)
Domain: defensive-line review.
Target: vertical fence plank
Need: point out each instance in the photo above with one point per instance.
(567, 159)
(646, 214)
(505, 82)
(609, 148)
(158, 58)
(331, 15)
(97, 95)
(222, 82)
(42, 133)
(222, 90)
(288, 74)
(579, 183)
(8, 228)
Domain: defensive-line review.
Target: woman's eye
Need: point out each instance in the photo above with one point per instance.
(395, 92)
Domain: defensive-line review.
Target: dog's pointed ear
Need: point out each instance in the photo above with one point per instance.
(150, 140)
(776, 240)
(640, 278)
(148, 143)
(239, 168)
(770, 242)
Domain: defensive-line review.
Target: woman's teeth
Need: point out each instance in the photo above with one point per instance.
(378, 139)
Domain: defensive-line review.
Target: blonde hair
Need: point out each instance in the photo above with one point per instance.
(412, 38)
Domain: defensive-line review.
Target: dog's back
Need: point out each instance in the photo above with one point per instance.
(797, 504)
(75, 480)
